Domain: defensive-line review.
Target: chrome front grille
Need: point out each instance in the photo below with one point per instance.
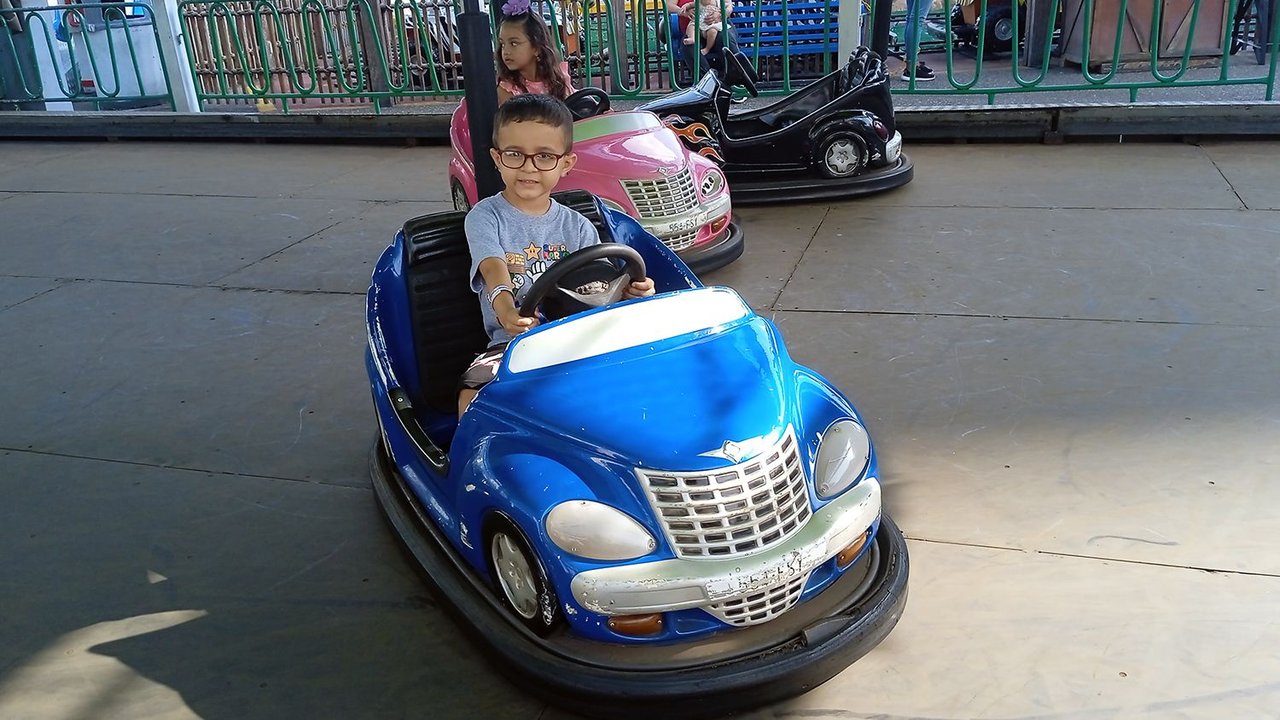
(680, 241)
(761, 606)
(662, 197)
(732, 511)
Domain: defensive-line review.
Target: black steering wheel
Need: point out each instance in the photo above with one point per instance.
(550, 284)
(738, 71)
(587, 102)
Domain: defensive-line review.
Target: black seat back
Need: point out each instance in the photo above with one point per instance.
(448, 330)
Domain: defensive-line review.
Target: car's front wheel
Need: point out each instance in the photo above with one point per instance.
(460, 200)
(521, 580)
(841, 154)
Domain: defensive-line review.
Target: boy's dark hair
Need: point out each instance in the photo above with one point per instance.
(548, 62)
(535, 108)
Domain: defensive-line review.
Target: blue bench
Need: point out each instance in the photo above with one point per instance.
(759, 30)
(809, 30)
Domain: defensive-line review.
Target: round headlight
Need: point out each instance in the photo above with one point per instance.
(842, 458)
(596, 531)
(712, 183)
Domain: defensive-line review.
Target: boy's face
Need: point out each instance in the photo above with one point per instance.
(532, 138)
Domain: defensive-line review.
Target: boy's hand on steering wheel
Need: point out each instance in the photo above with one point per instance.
(640, 288)
(513, 322)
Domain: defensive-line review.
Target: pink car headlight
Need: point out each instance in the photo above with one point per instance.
(712, 184)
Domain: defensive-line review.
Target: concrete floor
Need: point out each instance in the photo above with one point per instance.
(1067, 355)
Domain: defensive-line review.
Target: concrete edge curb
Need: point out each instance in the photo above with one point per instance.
(937, 124)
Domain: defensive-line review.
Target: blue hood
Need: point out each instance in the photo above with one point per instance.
(663, 405)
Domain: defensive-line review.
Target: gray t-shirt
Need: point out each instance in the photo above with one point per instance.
(528, 243)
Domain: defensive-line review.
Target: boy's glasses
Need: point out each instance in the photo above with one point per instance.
(514, 159)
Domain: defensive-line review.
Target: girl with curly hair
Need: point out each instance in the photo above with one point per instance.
(526, 58)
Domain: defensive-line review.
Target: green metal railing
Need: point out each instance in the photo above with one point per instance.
(312, 54)
(361, 51)
(1157, 66)
(93, 55)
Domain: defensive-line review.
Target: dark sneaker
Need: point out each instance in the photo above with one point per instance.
(923, 73)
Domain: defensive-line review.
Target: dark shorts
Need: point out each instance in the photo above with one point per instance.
(483, 369)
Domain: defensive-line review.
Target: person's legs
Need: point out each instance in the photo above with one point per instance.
(917, 10)
(711, 34)
(714, 55)
(690, 35)
(692, 53)
(911, 30)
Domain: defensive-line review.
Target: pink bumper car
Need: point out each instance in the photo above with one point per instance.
(637, 166)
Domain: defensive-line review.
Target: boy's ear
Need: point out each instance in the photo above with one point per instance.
(493, 153)
(569, 161)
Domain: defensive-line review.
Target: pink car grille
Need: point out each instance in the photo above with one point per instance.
(732, 511)
(663, 197)
(680, 241)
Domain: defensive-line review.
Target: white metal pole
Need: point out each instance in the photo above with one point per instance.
(849, 28)
(181, 82)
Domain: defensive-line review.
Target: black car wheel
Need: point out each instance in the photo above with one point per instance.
(521, 581)
(841, 154)
(999, 24)
(460, 201)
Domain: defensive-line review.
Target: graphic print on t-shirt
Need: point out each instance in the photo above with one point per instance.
(526, 266)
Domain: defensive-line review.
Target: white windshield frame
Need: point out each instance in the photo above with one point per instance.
(626, 326)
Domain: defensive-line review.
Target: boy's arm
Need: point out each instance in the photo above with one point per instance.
(495, 274)
(489, 269)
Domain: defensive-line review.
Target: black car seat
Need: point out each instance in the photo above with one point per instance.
(448, 330)
(855, 71)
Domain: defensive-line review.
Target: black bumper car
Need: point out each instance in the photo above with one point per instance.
(833, 138)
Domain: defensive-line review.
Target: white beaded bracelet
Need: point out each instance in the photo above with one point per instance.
(493, 294)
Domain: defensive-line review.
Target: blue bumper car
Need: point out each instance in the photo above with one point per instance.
(652, 508)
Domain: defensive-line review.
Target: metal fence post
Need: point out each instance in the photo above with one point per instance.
(172, 48)
(619, 54)
(880, 12)
(375, 53)
(480, 80)
(1039, 34)
(849, 27)
(19, 74)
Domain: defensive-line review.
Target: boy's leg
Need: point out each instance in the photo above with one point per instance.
(481, 372)
(465, 396)
(690, 34)
(711, 35)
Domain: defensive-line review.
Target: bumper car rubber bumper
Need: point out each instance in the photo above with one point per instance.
(715, 255)
(754, 187)
(729, 672)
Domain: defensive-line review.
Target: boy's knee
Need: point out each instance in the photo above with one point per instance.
(481, 372)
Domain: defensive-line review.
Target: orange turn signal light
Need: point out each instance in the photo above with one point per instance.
(846, 556)
(636, 625)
